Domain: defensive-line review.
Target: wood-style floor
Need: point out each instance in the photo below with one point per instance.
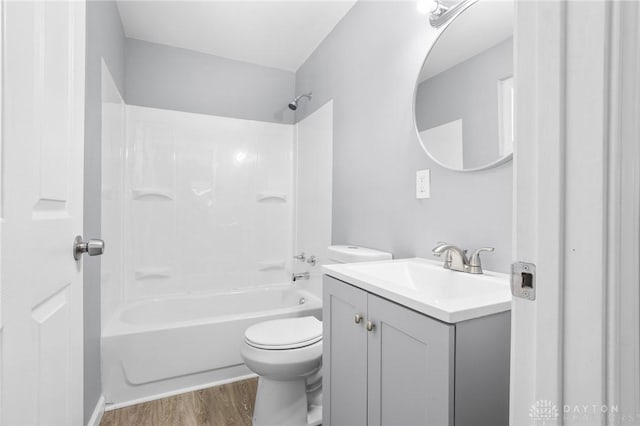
(226, 405)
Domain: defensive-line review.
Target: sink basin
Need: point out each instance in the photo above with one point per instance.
(425, 286)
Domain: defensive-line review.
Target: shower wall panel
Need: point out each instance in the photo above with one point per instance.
(207, 202)
(112, 146)
(313, 191)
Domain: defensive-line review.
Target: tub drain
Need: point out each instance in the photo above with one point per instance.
(301, 301)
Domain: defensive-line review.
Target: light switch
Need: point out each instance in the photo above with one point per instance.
(423, 184)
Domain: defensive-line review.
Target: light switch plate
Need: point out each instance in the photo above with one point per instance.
(423, 184)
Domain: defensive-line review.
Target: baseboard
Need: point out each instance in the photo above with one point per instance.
(96, 417)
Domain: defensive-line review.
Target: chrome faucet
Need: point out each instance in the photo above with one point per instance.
(300, 276)
(456, 258)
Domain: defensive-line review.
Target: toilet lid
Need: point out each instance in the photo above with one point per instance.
(286, 333)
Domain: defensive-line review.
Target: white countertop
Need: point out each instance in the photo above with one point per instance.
(426, 287)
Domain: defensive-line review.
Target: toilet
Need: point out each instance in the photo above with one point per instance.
(286, 354)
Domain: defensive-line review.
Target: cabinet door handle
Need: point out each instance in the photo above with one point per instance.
(370, 325)
(358, 319)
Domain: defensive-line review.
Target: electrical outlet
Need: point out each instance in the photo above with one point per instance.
(423, 184)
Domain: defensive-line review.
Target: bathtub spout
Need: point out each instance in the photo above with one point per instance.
(300, 276)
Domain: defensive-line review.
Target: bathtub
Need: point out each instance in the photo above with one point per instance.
(160, 347)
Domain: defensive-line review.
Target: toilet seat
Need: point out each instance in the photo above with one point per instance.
(282, 334)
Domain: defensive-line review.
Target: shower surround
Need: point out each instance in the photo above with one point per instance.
(201, 212)
(208, 203)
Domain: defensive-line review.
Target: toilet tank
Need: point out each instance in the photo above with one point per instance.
(352, 254)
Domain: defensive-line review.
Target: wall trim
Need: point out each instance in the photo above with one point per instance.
(539, 226)
(580, 125)
(623, 295)
(98, 412)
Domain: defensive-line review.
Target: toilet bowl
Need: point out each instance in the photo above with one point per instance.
(287, 355)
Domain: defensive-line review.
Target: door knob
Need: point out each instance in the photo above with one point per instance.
(370, 325)
(93, 247)
(358, 318)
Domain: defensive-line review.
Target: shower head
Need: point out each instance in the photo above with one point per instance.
(293, 105)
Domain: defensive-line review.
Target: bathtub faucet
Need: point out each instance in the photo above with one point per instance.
(300, 276)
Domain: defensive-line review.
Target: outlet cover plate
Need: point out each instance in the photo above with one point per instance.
(423, 184)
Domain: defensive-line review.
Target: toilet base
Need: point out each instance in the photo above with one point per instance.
(314, 418)
(281, 403)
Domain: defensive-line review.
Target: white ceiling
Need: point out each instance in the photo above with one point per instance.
(478, 28)
(279, 34)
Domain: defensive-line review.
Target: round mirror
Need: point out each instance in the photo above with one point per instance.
(463, 100)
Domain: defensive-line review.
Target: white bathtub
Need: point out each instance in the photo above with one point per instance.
(160, 347)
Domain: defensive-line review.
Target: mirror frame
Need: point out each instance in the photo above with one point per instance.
(441, 30)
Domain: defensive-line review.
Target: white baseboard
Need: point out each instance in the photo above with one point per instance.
(96, 417)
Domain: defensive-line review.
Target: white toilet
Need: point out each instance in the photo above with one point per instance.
(287, 355)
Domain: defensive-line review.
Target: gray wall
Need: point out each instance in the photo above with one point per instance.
(468, 91)
(369, 65)
(178, 79)
(105, 39)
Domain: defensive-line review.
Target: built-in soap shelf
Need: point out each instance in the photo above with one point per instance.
(271, 265)
(161, 193)
(271, 196)
(150, 273)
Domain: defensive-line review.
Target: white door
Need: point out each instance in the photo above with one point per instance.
(574, 358)
(41, 191)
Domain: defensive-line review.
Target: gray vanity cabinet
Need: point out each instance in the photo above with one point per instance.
(410, 369)
(398, 373)
(344, 354)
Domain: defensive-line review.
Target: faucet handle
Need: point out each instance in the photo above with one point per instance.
(474, 259)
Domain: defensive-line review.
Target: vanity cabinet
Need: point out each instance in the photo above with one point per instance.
(385, 364)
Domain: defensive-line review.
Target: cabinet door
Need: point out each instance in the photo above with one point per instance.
(410, 368)
(344, 378)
